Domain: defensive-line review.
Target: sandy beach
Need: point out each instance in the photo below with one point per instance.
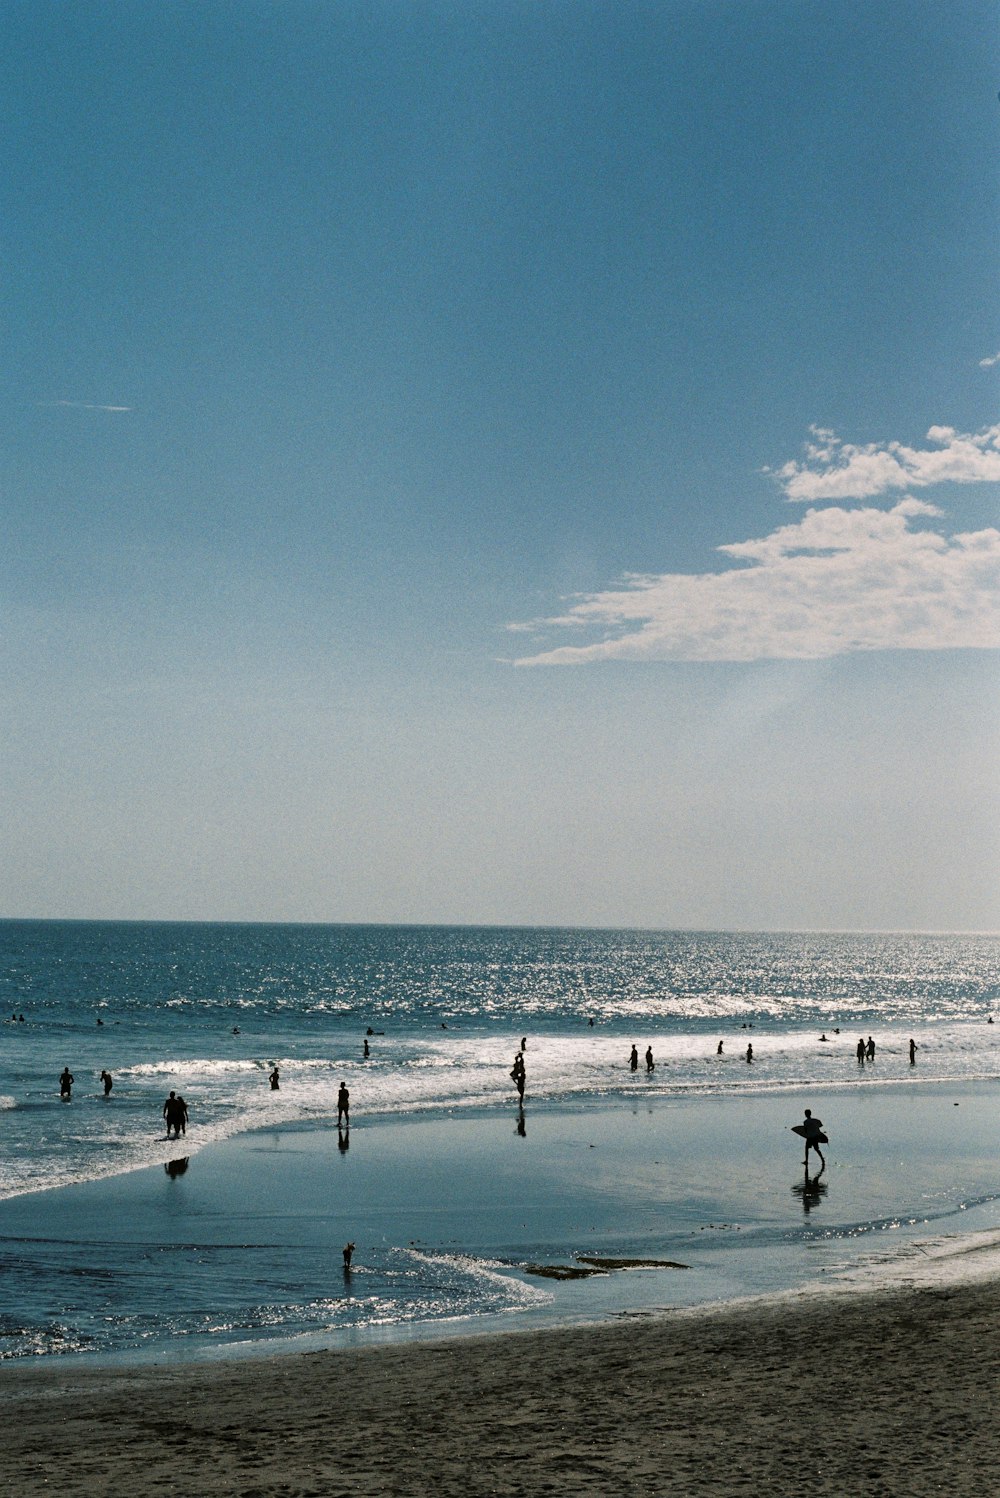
(880, 1392)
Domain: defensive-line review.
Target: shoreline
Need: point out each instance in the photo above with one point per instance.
(886, 1390)
(453, 1216)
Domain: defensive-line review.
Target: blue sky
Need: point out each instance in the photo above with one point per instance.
(502, 462)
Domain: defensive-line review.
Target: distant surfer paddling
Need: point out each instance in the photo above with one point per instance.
(811, 1130)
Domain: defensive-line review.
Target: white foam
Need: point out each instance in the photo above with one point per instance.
(454, 1070)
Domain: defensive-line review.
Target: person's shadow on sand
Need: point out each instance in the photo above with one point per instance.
(810, 1190)
(519, 1128)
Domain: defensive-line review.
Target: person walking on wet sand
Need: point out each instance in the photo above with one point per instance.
(633, 1059)
(66, 1080)
(811, 1130)
(343, 1105)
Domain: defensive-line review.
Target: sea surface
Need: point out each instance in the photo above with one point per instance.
(115, 1240)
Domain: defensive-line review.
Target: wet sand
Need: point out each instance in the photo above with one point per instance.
(864, 1391)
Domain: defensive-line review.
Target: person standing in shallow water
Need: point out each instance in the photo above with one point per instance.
(749, 1054)
(343, 1105)
(633, 1059)
(913, 1053)
(66, 1080)
(861, 1050)
(175, 1113)
(650, 1063)
(106, 1079)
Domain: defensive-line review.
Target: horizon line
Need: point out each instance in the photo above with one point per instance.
(88, 920)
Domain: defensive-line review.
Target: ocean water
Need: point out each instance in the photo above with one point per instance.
(115, 1240)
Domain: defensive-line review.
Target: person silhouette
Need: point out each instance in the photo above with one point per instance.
(749, 1054)
(343, 1105)
(650, 1063)
(66, 1080)
(811, 1130)
(106, 1079)
(174, 1111)
(275, 1079)
(633, 1059)
(913, 1052)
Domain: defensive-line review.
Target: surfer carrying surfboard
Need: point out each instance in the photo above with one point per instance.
(811, 1130)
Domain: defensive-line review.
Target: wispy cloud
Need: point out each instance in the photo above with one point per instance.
(989, 363)
(84, 406)
(834, 582)
(833, 469)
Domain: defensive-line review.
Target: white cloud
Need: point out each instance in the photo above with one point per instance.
(989, 363)
(833, 469)
(84, 406)
(834, 582)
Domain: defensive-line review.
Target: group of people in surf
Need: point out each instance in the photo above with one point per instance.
(175, 1111)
